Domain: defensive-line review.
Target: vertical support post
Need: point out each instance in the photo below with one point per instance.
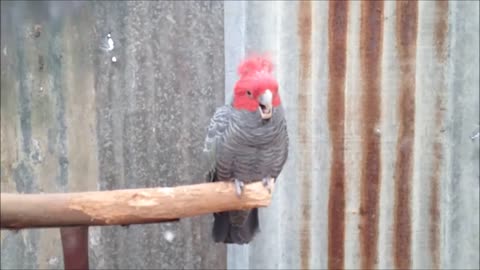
(75, 247)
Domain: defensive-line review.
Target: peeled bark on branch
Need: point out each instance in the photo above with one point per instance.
(127, 206)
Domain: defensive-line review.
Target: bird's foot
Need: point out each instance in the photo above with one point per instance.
(239, 187)
(267, 183)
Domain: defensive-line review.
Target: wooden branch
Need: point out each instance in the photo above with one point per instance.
(128, 206)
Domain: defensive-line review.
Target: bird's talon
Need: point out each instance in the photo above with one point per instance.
(239, 187)
(266, 183)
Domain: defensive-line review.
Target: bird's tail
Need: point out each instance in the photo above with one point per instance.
(226, 232)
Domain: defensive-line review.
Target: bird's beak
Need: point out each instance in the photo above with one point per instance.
(265, 104)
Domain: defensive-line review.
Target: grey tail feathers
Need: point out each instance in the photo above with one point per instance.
(223, 231)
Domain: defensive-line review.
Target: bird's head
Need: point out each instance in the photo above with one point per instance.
(257, 88)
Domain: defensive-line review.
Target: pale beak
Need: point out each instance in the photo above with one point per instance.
(265, 104)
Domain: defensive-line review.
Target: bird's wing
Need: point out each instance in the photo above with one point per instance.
(216, 129)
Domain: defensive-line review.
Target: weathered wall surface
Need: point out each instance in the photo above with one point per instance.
(382, 98)
(72, 120)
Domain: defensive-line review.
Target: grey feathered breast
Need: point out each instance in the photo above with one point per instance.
(239, 144)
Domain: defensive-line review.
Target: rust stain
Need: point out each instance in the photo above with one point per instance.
(434, 206)
(37, 30)
(441, 30)
(370, 56)
(337, 61)
(304, 121)
(406, 33)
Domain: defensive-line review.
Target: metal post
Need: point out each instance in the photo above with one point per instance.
(75, 247)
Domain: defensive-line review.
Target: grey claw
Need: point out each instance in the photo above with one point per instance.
(266, 183)
(239, 187)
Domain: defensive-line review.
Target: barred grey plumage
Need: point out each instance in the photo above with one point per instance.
(241, 145)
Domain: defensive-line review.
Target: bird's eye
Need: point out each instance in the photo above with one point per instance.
(249, 93)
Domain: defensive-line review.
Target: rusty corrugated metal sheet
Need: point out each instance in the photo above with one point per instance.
(73, 120)
(381, 100)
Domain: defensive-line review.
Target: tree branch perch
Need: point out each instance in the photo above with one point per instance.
(127, 206)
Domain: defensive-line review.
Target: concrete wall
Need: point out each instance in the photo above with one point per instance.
(72, 120)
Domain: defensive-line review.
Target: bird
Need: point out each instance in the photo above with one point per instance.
(247, 140)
